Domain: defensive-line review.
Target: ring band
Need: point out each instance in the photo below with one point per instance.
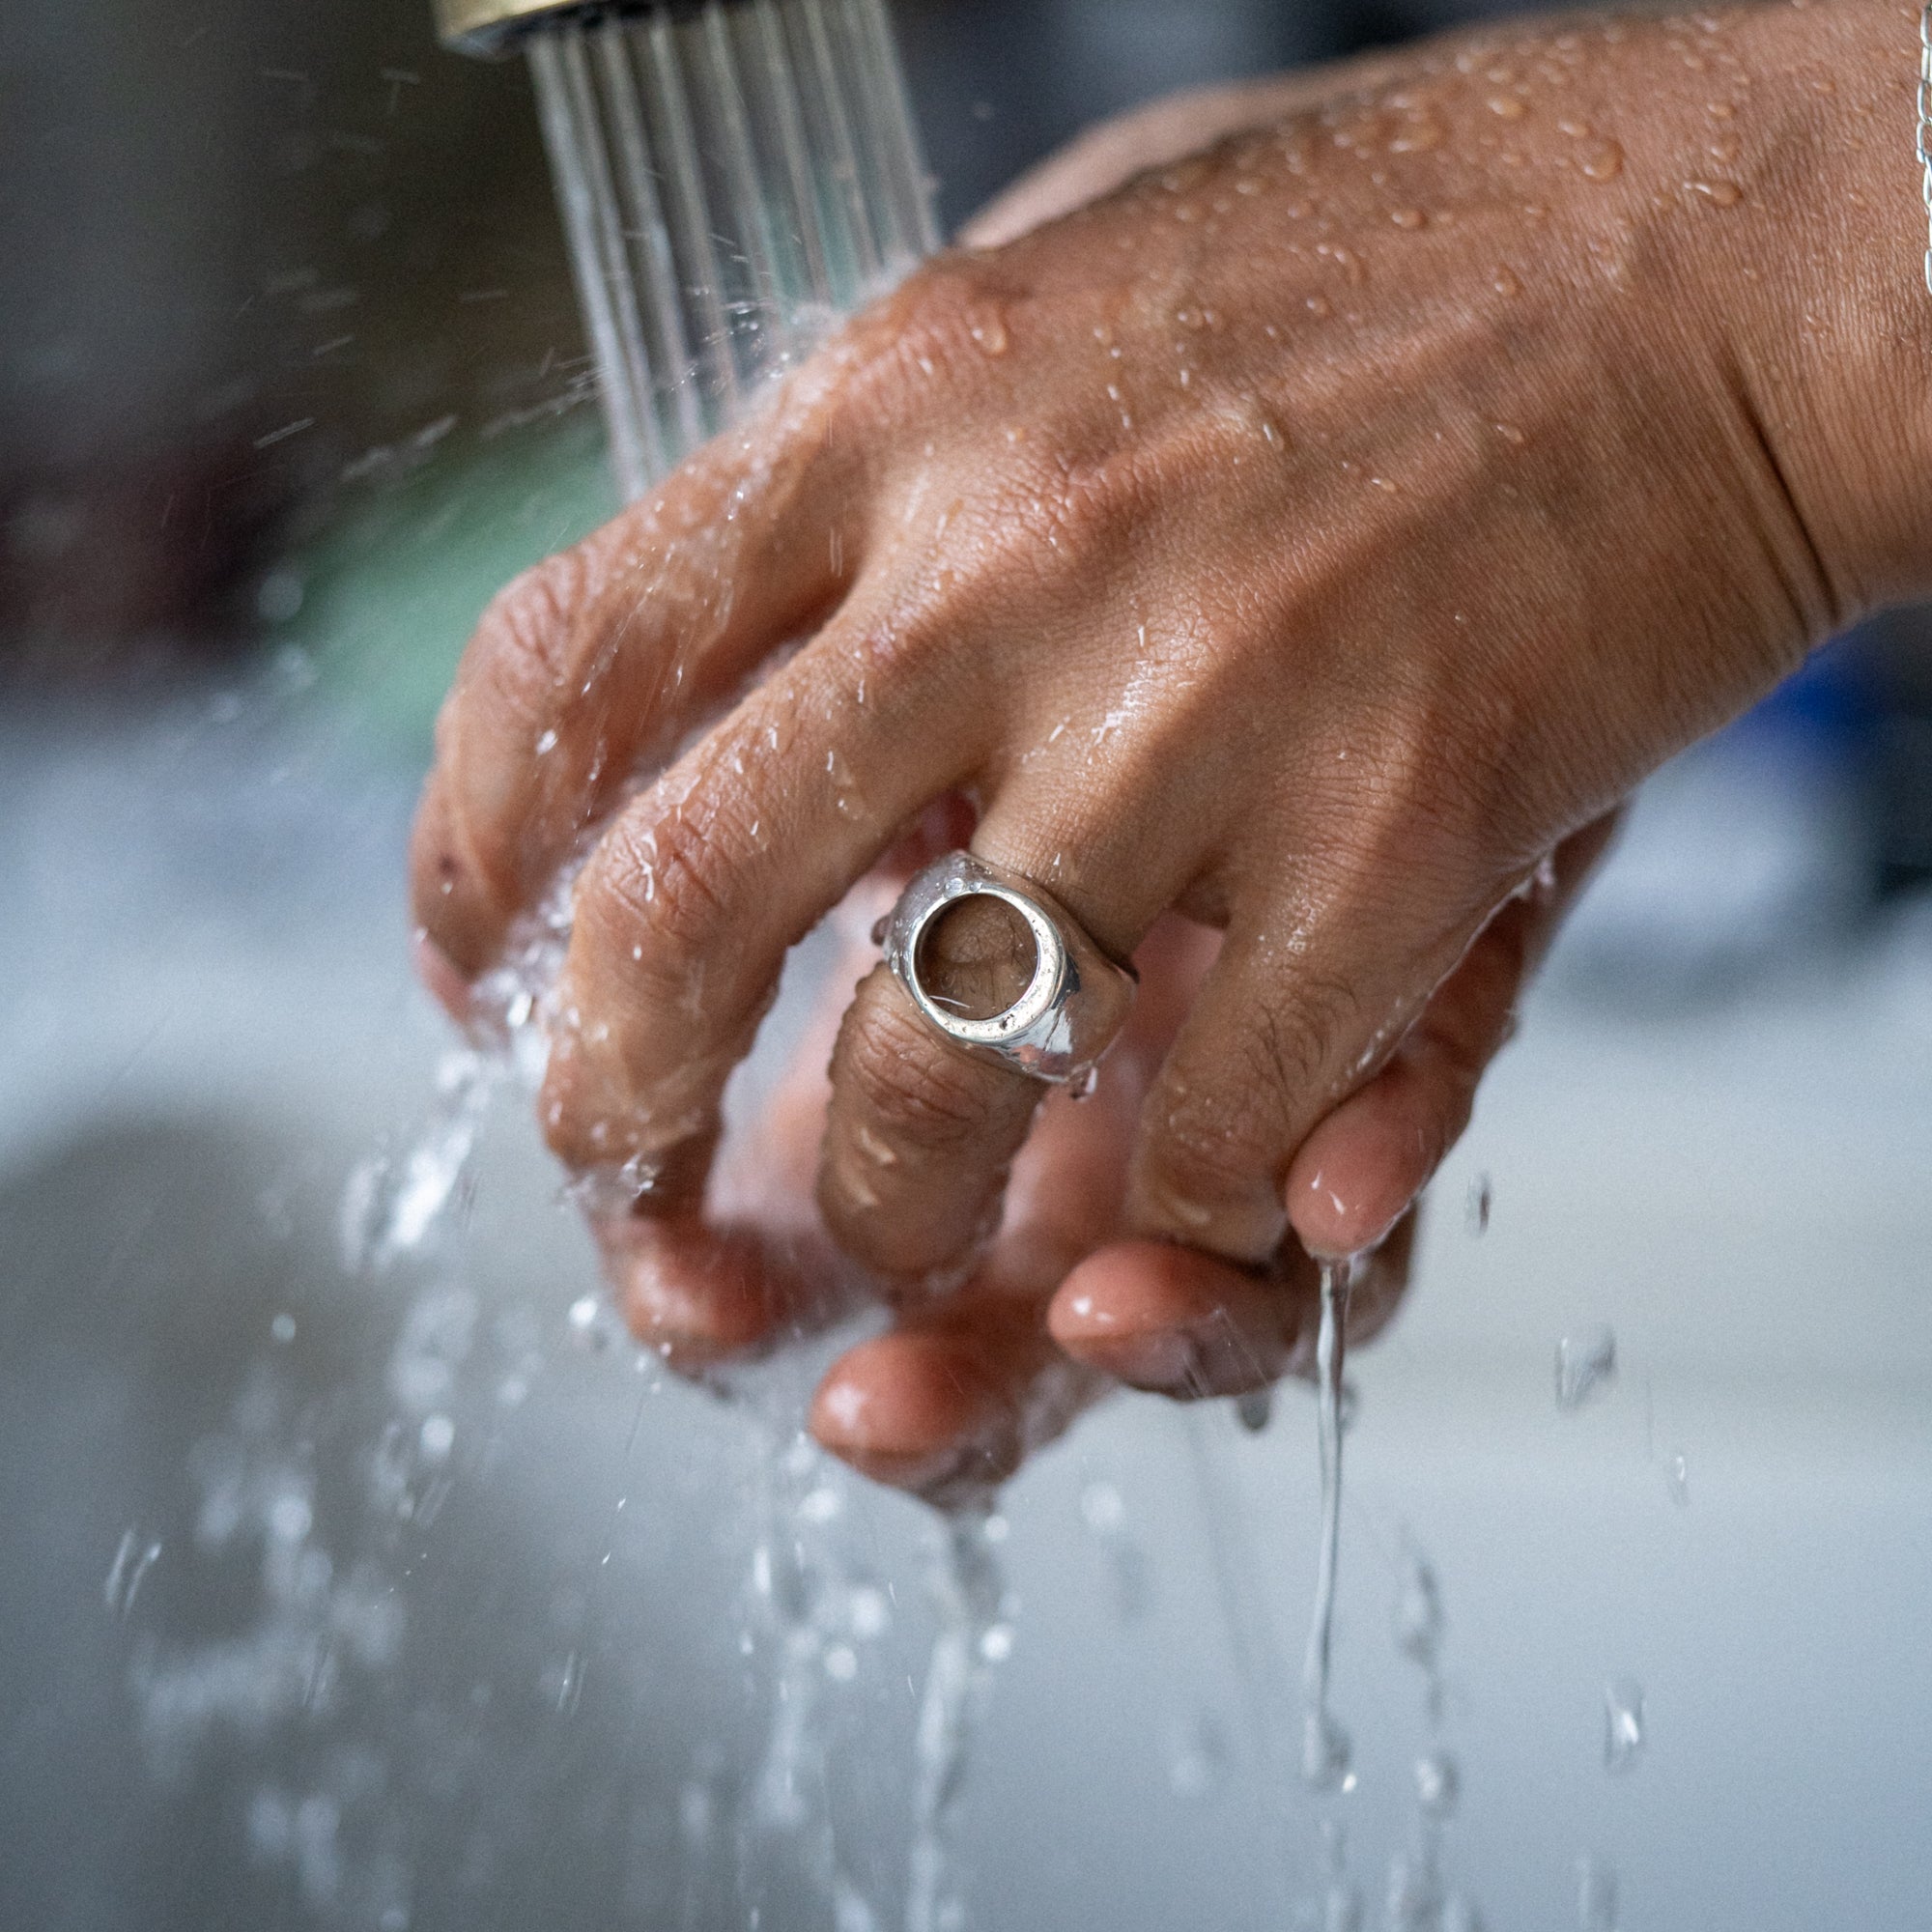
(1073, 1005)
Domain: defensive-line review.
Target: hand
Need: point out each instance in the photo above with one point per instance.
(959, 1390)
(1309, 540)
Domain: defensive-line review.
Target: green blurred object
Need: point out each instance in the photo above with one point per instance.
(391, 591)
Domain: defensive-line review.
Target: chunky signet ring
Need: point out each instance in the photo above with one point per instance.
(1075, 1002)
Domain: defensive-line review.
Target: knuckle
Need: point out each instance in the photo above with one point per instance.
(921, 333)
(912, 1088)
(522, 650)
(1205, 1148)
(659, 887)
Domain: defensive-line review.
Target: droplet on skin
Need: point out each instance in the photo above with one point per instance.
(1320, 306)
(1409, 218)
(1511, 435)
(1417, 137)
(1507, 107)
(1505, 281)
(992, 333)
(1604, 162)
(1718, 194)
(1623, 1725)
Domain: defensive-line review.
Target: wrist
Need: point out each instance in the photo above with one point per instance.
(1827, 317)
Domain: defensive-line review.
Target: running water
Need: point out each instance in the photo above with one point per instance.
(1324, 1745)
(732, 178)
(969, 1592)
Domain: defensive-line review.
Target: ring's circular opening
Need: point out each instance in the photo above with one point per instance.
(976, 957)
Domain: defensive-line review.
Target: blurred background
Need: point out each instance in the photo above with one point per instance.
(341, 1591)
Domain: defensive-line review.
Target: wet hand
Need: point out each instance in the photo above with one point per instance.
(1309, 539)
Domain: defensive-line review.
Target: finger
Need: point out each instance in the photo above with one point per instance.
(602, 656)
(684, 912)
(1179, 1322)
(953, 1399)
(958, 1393)
(1297, 1014)
(922, 1130)
(1361, 1167)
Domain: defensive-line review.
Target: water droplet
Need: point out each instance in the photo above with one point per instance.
(1603, 162)
(283, 1327)
(1253, 1409)
(1418, 1611)
(1417, 137)
(1320, 306)
(1505, 280)
(997, 1644)
(1476, 1207)
(1326, 1752)
(989, 332)
(1198, 1766)
(1585, 1364)
(841, 1664)
(1677, 1478)
(547, 743)
(1596, 1897)
(1719, 110)
(133, 1560)
(1718, 194)
(1623, 1725)
(1411, 218)
(1507, 107)
(1438, 1783)
(436, 1438)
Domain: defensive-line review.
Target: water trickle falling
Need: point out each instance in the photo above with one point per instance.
(1677, 1478)
(1624, 1735)
(1586, 1364)
(1324, 1745)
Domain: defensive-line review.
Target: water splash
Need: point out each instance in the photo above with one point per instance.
(969, 1591)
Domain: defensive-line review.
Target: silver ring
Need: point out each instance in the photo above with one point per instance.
(1073, 1005)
